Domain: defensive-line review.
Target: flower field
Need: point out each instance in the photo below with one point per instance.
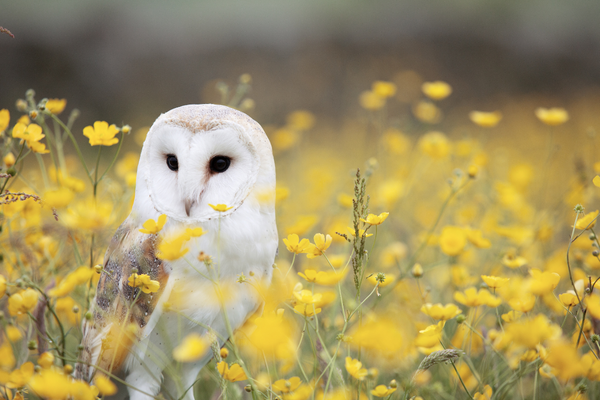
(429, 250)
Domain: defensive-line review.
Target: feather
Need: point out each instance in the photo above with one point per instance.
(121, 313)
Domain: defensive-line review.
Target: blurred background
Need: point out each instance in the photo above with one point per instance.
(126, 62)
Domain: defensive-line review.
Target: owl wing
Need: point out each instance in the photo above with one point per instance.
(121, 314)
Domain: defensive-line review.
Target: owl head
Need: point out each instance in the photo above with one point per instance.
(197, 155)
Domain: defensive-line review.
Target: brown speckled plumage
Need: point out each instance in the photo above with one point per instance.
(112, 307)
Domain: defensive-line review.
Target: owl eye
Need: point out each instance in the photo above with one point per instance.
(172, 162)
(220, 163)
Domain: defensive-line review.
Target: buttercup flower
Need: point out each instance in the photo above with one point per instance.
(287, 385)
(587, 222)
(231, 373)
(596, 181)
(56, 106)
(22, 302)
(354, 368)
(472, 298)
(220, 207)
(383, 89)
(552, 116)
(568, 299)
(144, 282)
(382, 391)
(191, 348)
(494, 282)
(485, 119)
(105, 385)
(172, 249)
(453, 240)
(295, 245)
(152, 227)
(32, 134)
(373, 219)
(4, 119)
(101, 134)
(440, 312)
(325, 278)
(361, 232)
(437, 90)
(435, 145)
(322, 243)
(370, 100)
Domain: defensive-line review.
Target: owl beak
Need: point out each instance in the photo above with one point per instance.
(188, 206)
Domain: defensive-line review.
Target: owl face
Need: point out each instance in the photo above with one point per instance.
(198, 155)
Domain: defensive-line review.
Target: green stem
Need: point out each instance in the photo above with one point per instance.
(114, 158)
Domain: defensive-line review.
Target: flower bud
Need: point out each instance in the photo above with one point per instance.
(75, 309)
(21, 105)
(592, 236)
(32, 345)
(417, 270)
(393, 384)
(224, 352)
(248, 388)
(33, 114)
(579, 208)
(472, 171)
(595, 338)
(460, 318)
(9, 160)
(595, 253)
(88, 315)
(126, 129)
(68, 369)
(246, 79)
(11, 171)
(98, 268)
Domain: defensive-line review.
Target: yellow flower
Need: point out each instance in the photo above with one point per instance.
(152, 227)
(21, 377)
(101, 134)
(494, 282)
(531, 332)
(383, 89)
(191, 349)
(430, 336)
(523, 304)
(46, 360)
(144, 282)
(373, 219)
(220, 207)
(427, 112)
(345, 200)
(295, 245)
(322, 243)
(308, 310)
(13, 333)
(56, 106)
(307, 297)
(596, 181)
(486, 393)
(511, 316)
(354, 368)
(511, 260)
(440, 312)
(543, 282)
(565, 361)
(472, 298)
(476, 238)
(382, 391)
(300, 120)
(485, 119)
(4, 119)
(2, 286)
(387, 279)
(552, 116)
(284, 138)
(52, 384)
(22, 302)
(64, 309)
(593, 304)
(371, 101)
(80, 276)
(361, 232)
(568, 299)
(286, 385)
(325, 278)
(31, 134)
(587, 222)
(9, 160)
(59, 198)
(172, 249)
(437, 90)
(453, 240)
(105, 385)
(435, 145)
(232, 374)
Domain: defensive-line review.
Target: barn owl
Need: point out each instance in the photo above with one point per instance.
(193, 156)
